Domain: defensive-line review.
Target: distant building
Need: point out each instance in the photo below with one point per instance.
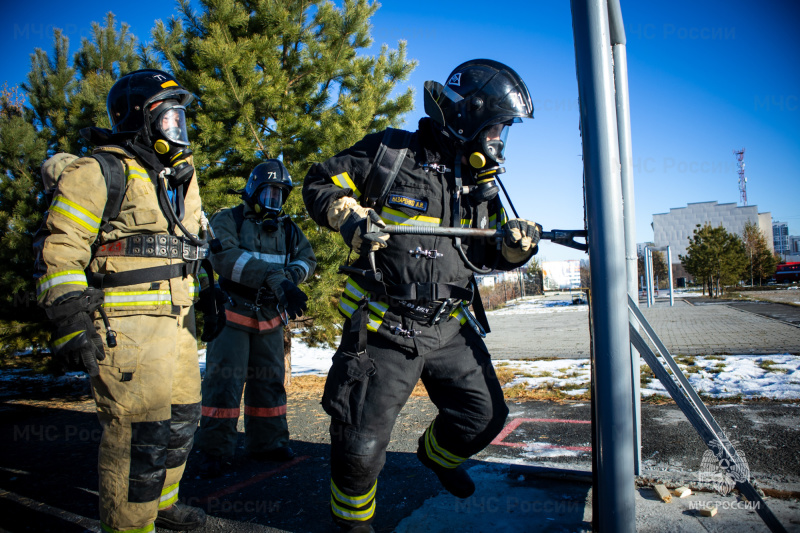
(780, 238)
(794, 244)
(674, 229)
(561, 275)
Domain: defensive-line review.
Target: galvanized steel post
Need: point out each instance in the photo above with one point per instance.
(613, 430)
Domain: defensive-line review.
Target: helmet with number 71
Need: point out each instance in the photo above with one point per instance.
(480, 99)
(268, 187)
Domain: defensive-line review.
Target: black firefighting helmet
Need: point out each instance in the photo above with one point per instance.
(131, 97)
(268, 187)
(481, 96)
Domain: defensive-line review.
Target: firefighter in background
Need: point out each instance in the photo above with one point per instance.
(262, 259)
(414, 321)
(120, 295)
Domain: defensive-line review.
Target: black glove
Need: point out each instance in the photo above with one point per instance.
(290, 297)
(355, 234)
(521, 240)
(75, 341)
(212, 305)
(295, 299)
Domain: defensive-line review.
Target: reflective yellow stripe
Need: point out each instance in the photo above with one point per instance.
(354, 501)
(398, 218)
(65, 277)
(503, 218)
(347, 308)
(364, 506)
(343, 180)
(130, 298)
(74, 212)
(137, 173)
(356, 293)
(168, 496)
(66, 338)
(145, 529)
(459, 314)
(447, 460)
(353, 515)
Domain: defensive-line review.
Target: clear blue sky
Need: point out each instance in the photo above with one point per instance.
(705, 78)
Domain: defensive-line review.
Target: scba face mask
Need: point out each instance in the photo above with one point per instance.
(269, 200)
(171, 140)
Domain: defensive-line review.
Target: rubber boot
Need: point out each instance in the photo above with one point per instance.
(180, 517)
(455, 480)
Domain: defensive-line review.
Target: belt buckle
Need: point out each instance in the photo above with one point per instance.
(187, 250)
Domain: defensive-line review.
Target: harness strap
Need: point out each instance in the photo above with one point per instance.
(144, 275)
(425, 292)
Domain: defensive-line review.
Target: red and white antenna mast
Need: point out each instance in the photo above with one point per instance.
(742, 179)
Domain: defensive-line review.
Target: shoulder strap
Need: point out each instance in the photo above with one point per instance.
(386, 165)
(114, 176)
(238, 217)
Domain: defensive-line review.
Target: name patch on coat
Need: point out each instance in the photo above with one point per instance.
(405, 201)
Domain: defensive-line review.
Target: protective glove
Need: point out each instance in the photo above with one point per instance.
(521, 240)
(75, 341)
(212, 304)
(290, 297)
(350, 219)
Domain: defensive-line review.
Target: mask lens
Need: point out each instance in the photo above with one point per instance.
(172, 125)
(270, 198)
(494, 142)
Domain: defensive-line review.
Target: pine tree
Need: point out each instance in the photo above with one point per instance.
(761, 260)
(283, 79)
(716, 257)
(63, 97)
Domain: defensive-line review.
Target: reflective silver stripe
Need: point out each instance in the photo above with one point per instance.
(128, 298)
(238, 267)
(353, 501)
(304, 266)
(77, 213)
(356, 293)
(347, 308)
(343, 180)
(270, 258)
(71, 277)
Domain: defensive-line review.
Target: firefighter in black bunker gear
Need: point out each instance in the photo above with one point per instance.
(138, 270)
(262, 258)
(407, 299)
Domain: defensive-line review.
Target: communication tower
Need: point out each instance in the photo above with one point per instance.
(742, 179)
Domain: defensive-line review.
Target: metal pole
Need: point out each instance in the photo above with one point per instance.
(669, 270)
(652, 277)
(613, 433)
(647, 275)
(628, 212)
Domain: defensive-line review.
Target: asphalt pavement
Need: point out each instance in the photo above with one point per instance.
(534, 477)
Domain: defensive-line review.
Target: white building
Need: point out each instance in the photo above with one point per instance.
(674, 229)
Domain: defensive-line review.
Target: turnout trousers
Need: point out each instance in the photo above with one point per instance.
(148, 403)
(238, 359)
(365, 392)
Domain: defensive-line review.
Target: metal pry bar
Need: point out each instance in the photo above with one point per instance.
(564, 237)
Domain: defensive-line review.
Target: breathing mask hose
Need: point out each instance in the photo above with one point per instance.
(456, 217)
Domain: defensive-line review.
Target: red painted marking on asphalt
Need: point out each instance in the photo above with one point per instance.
(514, 424)
(254, 479)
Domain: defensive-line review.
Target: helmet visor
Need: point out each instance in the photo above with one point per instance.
(270, 198)
(171, 123)
(493, 140)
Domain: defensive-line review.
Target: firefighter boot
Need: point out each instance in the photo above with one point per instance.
(180, 517)
(455, 480)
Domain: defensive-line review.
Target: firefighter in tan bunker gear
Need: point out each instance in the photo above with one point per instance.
(120, 293)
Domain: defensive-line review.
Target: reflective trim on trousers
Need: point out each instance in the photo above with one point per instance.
(168, 496)
(360, 508)
(220, 412)
(265, 412)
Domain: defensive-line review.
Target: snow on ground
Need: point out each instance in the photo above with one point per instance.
(751, 376)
